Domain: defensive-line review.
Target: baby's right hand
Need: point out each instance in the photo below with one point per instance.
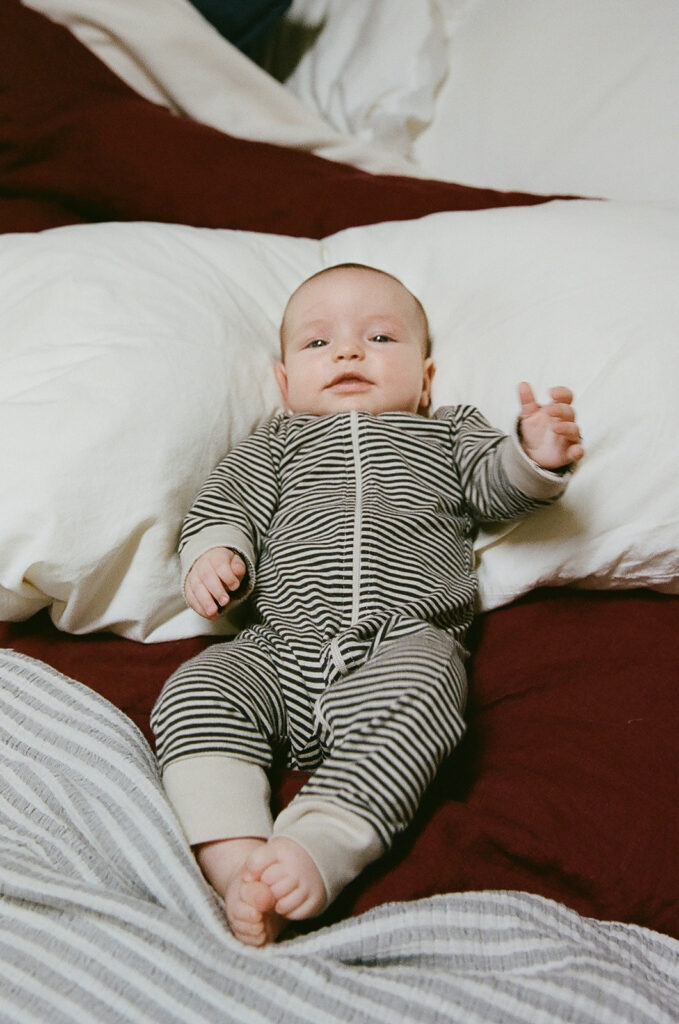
(210, 578)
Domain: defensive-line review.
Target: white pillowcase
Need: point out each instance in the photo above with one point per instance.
(549, 96)
(134, 355)
(375, 67)
(170, 54)
(559, 96)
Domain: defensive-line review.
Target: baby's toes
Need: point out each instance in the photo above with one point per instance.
(290, 902)
(279, 880)
(302, 901)
(250, 934)
(258, 897)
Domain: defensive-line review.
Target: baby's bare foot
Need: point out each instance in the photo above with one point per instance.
(248, 902)
(250, 911)
(290, 875)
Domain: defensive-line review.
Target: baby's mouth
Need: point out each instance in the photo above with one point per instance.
(347, 382)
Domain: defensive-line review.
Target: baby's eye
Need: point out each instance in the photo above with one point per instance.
(317, 343)
(381, 339)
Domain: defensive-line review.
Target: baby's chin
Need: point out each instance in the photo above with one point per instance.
(330, 405)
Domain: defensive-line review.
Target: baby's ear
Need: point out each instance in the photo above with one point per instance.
(427, 377)
(282, 380)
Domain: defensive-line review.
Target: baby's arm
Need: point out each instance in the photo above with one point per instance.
(212, 576)
(549, 433)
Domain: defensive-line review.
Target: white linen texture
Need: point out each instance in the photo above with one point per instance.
(135, 355)
(547, 96)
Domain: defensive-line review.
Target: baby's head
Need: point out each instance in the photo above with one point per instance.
(354, 337)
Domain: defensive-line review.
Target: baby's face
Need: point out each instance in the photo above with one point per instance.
(354, 339)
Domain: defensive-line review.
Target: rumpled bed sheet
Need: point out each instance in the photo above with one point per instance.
(106, 917)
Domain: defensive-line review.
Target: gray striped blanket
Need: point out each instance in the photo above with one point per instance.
(105, 917)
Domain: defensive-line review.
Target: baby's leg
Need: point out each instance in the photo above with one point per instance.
(248, 902)
(216, 721)
(384, 750)
(389, 724)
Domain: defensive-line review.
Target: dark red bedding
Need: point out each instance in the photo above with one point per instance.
(566, 783)
(77, 145)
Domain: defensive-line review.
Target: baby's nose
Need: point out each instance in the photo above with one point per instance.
(349, 348)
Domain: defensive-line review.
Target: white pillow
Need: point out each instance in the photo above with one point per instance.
(134, 355)
(131, 356)
(375, 67)
(559, 97)
(550, 96)
(169, 53)
(577, 293)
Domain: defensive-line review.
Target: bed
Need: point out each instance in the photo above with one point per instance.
(160, 196)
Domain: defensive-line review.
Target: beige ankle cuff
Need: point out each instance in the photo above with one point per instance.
(340, 843)
(219, 797)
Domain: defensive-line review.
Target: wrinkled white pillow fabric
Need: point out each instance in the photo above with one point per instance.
(131, 356)
(166, 51)
(375, 67)
(135, 355)
(550, 96)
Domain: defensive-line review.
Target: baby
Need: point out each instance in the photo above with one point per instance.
(348, 520)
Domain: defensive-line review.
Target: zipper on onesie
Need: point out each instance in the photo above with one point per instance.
(354, 430)
(358, 518)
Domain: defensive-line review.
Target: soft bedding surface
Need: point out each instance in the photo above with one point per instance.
(246, 24)
(150, 351)
(540, 95)
(105, 916)
(79, 144)
(543, 95)
(565, 784)
(168, 53)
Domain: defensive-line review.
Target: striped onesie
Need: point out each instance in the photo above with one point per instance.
(357, 534)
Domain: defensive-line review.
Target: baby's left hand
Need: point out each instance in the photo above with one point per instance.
(549, 433)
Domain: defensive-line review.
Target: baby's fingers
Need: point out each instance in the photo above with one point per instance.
(570, 433)
(238, 568)
(561, 412)
(527, 399)
(561, 394)
(221, 570)
(200, 599)
(209, 581)
(575, 452)
(218, 582)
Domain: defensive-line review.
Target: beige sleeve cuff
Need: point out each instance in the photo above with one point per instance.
(531, 479)
(340, 843)
(219, 797)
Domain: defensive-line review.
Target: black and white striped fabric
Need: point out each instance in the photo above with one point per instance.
(351, 517)
(104, 916)
(375, 737)
(357, 531)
